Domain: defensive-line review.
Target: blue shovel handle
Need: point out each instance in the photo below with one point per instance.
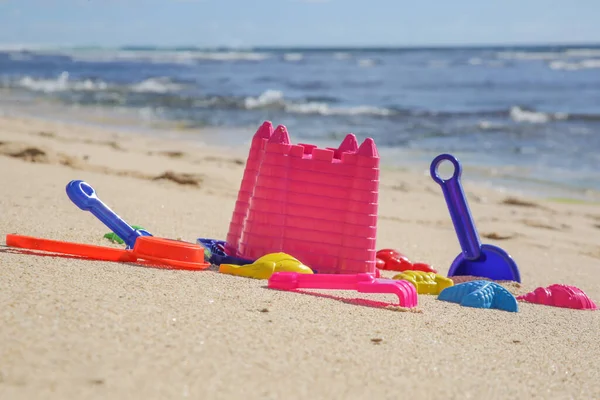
(458, 207)
(84, 196)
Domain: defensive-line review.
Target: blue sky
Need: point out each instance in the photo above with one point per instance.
(297, 22)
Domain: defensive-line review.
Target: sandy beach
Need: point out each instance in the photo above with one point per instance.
(73, 328)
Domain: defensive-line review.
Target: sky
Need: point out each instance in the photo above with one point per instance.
(321, 23)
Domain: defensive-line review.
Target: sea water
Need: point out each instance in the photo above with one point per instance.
(522, 115)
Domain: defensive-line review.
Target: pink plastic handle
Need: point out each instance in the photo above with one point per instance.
(294, 280)
(363, 283)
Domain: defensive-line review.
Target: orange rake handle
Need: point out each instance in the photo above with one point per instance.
(76, 249)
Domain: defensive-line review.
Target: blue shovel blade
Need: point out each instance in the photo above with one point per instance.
(493, 263)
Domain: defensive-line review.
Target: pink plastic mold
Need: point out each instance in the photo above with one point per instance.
(320, 205)
(560, 296)
(362, 283)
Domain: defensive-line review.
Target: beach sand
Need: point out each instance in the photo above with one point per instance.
(84, 329)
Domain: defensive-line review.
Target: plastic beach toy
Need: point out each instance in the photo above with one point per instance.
(76, 249)
(393, 260)
(426, 282)
(265, 266)
(141, 244)
(480, 294)
(476, 259)
(319, 204)
(84, 196)
(158, 251)
(164, 251)
(560, 296)
(363, 283)
(214, 251)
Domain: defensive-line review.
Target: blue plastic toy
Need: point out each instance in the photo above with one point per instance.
(84, 196)
(215, 253)
(476, 259)
(480, 294)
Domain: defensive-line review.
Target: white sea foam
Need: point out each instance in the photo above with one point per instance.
(155, 85)
(156, 56)
(488, 125)
(232, 56)
(583, 53)
(165, 57)
(60, 84)
(276, 99)
(293, 57)
(341, 56)
(366, 62)
(326, 109)
(64, 83)
(518, 114)
(549, 55)
(529, 55)
(488, 63)
(593, 63)
(266, 99)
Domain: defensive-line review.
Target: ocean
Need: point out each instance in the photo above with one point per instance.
(525, 116)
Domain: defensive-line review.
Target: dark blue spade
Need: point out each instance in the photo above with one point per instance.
(476, 259)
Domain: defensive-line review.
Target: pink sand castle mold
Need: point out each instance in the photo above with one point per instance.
(560, 296)
(320, 205)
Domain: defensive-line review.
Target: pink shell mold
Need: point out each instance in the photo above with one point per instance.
(560, 296)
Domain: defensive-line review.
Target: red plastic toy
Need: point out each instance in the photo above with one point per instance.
(392, 260)
(318, 204)
(560, 296)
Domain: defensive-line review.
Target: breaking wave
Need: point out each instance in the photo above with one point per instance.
(275, 99)
(519, 114)
(137, 56)
(64, 83)
(565, 59)
(593, 63)
(163, 92)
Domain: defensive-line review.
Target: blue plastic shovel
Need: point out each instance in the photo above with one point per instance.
(476, 259)
(84, 196)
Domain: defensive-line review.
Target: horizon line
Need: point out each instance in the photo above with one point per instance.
(371, 47)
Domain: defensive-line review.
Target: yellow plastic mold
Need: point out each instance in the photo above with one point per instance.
(266, 266)
(425, 282)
